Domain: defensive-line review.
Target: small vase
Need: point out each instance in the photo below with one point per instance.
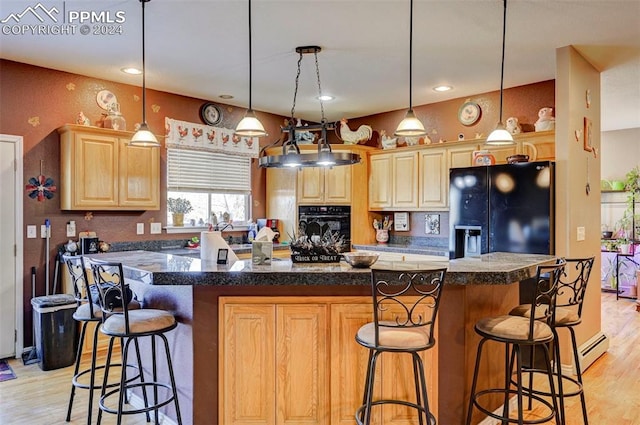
(382, 235)
(178, 219)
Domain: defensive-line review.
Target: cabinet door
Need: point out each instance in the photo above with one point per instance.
(139, 183)
(433, 178)
(302, 360)
(247, 365)
(94, 181)
(405, 180)
(540, 150)
(337, 185)
(501, 153)
(349, 362)
(380, 181)
(311, 185)
(461, 156)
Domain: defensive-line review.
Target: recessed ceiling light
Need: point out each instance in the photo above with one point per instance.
(325, 97)
(442, 88)
(225, 96)
(131, 71)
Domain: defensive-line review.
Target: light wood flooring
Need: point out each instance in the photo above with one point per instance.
(612, 383)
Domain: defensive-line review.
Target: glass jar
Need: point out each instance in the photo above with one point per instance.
(114, 119)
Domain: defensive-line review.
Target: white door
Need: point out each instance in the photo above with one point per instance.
(11, 246)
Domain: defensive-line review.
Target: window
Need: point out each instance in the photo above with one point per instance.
(215, 184)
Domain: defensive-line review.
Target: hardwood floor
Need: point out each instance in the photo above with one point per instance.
(612, 383)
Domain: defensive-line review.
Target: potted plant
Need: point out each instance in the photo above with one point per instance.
(179, 207)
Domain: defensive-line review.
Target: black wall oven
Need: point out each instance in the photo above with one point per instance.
(315, 220)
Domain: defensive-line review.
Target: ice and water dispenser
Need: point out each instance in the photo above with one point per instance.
(468, 241)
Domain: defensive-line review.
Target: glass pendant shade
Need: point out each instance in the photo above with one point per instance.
(410, 126)
(500, 136)
(144, 137)
(250, 126)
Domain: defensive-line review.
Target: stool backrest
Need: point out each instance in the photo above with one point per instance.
(546, 291)
(81, 282)
(406, 298)
(573, 283)
(114, 293)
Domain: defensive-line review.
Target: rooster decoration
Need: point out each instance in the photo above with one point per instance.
(350, 137)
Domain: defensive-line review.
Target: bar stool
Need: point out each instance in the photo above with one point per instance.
(516, 332)
(86, 312)
(130, 326)
(572, 287)
(405, 305)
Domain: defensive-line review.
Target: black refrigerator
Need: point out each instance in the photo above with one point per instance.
(502, 208)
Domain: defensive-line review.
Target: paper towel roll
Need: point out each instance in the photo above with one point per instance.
(210, 243)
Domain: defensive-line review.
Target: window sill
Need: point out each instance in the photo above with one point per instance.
(198, 229)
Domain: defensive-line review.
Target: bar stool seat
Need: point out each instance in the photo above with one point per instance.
(517, 332)
(405, 305)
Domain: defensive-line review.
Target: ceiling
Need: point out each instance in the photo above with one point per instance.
(200, 49)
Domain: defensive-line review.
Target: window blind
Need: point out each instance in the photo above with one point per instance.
(202, 171)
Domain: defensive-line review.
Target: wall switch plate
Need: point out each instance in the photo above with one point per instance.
(32, 231)
(580, 233)
(156, 228)
(43, 231)
(71, 229)
(140, 228)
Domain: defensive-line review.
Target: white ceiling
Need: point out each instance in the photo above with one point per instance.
(200, 49)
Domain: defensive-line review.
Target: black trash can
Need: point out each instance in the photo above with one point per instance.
(55, 329)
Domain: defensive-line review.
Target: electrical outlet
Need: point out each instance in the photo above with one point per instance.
(71, 229)
(32, 231)
(140, 228)
(156, 228)
(580, 233)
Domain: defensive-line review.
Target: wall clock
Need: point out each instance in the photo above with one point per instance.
(210, 113)
(469, 113)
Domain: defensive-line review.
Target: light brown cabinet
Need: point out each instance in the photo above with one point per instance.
(380, 181)
(318, 185)
(393, 180)
(433, 178)
(100, 171)
(283, 361)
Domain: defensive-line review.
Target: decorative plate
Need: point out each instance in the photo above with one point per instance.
(469, 113)
(105, 99)
(210, 113)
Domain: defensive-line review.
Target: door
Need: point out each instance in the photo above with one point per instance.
(10, 245)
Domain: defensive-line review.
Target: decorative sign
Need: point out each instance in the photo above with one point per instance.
(401, 221)
(205, 137)
(432, 224)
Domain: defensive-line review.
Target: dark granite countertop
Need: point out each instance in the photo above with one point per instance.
(237, 248)
(405, 249)
(166, 269)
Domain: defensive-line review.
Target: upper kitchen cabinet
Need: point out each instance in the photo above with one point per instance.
(380, 176)
(100, 171)
(404, 180)
(540, 145)
(433, 178)
(318, 185)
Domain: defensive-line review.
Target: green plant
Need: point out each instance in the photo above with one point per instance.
(179, 205)
(632, 180)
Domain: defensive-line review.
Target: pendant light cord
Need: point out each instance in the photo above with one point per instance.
(250, 56)
(504, 32)
(144, 82)
(411, 55)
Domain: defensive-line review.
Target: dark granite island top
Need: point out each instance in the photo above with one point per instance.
(166, 269)
(195, 291)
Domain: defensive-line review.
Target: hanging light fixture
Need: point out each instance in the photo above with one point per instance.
(250, 125)
(500, 136)
(410, 126)
(144, 136)
(291, 156)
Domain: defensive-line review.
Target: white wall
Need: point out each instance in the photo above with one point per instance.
(620, 152)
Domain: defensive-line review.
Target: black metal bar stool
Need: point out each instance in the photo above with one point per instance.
(516, 332)
(572, 287)
(405, 305)
(130, 326)
(87, 312)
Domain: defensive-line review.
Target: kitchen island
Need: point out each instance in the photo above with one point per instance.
(272, 343)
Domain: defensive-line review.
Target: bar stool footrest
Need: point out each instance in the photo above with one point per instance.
(153, 385)
(513, 392)
(76, 383)
(421, 409)
(579, 389)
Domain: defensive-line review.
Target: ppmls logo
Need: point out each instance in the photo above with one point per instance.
(43, 20)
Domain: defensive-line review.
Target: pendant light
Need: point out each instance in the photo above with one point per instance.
(410, 126)
(144, 136)
(500, 136)
(250, 126)
(291, 156)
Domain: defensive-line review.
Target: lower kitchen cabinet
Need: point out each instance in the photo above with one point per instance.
(287, 362)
